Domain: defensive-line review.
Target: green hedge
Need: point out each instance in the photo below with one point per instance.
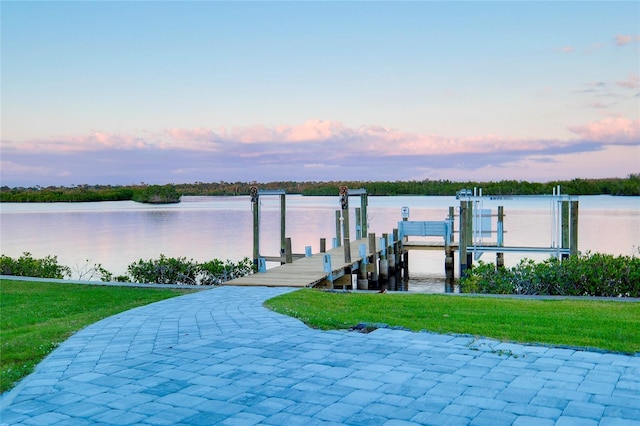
(165, 270)
(182, 271)
(584, 275)
(27, 266)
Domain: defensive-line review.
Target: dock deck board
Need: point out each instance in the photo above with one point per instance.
(304, 272)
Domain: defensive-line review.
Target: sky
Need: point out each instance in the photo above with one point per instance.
(119, 93)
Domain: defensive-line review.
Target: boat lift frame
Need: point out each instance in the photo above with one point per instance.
(473, 224)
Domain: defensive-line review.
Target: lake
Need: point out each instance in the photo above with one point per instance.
(116, 234)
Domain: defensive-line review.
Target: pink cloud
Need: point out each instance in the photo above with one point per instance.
(315, 149)
(633, 82)
(614, 131)
(623, 40)
(201, 134)
(331, 136)
(312, 130)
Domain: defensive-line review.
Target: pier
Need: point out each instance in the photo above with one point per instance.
(370, 263)
(310, 271)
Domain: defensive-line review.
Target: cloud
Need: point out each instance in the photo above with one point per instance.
(611, 131)
(623, 40)
(566, 49)
(633, 82)
(619, 40)
(313, 150)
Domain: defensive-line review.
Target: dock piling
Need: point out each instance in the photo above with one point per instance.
(500, 255)
(344, 201)
(383, 277)
(372, 267)
(362, 283)
(573, 244)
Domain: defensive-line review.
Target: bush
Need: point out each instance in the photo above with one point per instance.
(585, 275)
(165, 270)
(27, 266)
(182, 271)
(216, 272)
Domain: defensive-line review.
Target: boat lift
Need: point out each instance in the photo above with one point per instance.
(476, 226)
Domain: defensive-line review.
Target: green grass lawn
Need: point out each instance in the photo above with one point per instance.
(609, 325)
(35, 317)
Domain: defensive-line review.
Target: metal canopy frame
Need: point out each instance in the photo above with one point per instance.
(564, 224)
(259, 263)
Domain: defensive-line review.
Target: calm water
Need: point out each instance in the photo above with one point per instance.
(116, 234)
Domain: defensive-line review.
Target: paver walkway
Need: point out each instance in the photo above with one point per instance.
(219, 357)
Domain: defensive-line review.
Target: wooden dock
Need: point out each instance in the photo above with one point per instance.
(383, 264)
(307, 271)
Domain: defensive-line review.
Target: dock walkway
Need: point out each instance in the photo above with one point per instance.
(305, 272)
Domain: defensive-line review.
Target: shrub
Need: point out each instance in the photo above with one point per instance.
(182, 271)
(165, 270)
(485, 278)
(585, 275)
(216, 272)
(27, 266)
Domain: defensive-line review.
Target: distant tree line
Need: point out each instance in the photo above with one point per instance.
(629, 186)
(83, 193)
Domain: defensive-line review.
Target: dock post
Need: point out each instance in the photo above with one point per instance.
(398, 259)
(573, 246)
(469, 233)
(255, 208)
(565, 228)
(466, 231)
(373, 265)
(500, 256)
(283, 224)
(347, 242)
(449, 267)
(326, 265)
(358, 224)
(393, 282)
(404, 258)
(405, 269)
(288, 257)
(451, 219)
(449, 270)
(364, 201)
(338, 229)
(344, 202)
(362, 283)
(462, 238)
(323, 245)
(383, 277)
